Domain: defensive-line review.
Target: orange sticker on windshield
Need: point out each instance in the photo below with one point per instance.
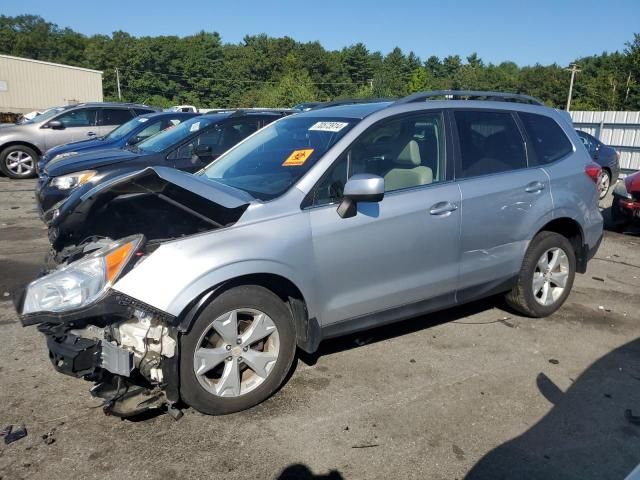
(297, 158)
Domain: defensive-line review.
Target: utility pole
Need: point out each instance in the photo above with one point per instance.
(118, 83)
(573, 68)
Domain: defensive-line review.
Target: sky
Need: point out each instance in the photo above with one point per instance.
(537, 31)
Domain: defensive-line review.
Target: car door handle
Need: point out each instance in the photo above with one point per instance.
(534, 187)
(442, 208)
(91, 134)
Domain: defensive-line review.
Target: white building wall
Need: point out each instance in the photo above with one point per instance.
(27, 85)
(620, 130)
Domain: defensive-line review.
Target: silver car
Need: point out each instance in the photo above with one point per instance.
(22, 144)
(201, 287)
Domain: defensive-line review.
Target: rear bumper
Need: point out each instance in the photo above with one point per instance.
(626, 209)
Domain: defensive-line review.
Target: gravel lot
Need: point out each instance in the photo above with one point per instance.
(472, 392)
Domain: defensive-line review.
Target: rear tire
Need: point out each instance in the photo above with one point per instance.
(543, 286)
(207, 380)
(604, 183)
(18, 161)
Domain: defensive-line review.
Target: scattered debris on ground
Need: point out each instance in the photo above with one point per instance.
(12, 434)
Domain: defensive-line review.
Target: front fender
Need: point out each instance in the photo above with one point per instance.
(180, 271)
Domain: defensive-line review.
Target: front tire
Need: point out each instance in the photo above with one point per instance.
(546, 276)
(18, 161)
(238, 352)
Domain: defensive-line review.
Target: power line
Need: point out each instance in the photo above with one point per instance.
(232, 80)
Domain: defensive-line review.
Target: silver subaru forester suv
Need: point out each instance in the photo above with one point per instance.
(201, 287)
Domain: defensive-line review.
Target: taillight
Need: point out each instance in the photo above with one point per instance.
(593, 170)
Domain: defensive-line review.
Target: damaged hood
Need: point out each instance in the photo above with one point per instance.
(209, 201)
(89, 161)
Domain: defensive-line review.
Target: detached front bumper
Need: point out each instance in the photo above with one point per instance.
(112, 344)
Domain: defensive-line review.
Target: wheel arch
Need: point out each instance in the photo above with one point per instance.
(23, 143)
(572, 230)
(307, 328)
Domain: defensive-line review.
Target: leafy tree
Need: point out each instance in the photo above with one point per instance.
(200, 69)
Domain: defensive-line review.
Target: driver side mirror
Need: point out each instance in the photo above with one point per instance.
(203, 151)
(56, 125)
(363, 187)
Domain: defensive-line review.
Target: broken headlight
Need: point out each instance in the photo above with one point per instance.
(73, 180)
(81, 282)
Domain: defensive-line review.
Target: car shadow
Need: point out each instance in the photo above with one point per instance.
(404, 327)
(299, 471)
(586, 434)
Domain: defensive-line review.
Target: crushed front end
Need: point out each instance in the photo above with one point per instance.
(128, 349)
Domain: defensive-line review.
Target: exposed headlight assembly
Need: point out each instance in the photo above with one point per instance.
(81, 282)
(73, 180)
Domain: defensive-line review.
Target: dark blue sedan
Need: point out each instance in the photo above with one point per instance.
(130, 133)
(605, 156)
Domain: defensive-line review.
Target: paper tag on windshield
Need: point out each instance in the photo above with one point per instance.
(194, 127)
(328, 126)
(142, 120)
(298, 157)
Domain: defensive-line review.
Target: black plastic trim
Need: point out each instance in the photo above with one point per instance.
(388, 316)
(113, 304)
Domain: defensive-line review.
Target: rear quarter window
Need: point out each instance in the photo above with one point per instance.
(548, 140)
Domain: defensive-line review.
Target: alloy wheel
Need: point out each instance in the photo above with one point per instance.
(603, 184)
(20, 163)
(550, 276)
(236, 353)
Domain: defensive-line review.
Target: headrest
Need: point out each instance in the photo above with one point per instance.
(410, 155)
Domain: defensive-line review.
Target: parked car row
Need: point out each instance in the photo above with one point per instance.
(177, 278)
(605, 156)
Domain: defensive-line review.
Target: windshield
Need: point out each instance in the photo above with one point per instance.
(276, 157)
(169, 137)
(43, 117)
(125, 128)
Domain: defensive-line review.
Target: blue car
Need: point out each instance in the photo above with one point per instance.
(130, 133)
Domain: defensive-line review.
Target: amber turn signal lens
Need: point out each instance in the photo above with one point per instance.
(117, 259)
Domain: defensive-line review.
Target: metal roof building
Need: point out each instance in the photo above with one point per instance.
(621, 130)
(27, 85)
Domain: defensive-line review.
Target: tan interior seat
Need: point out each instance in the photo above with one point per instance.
(408, 170)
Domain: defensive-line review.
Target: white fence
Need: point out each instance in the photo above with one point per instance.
(621, 130)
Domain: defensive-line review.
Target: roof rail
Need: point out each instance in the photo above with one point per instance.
(469, 95)
(350, 101)
(242, 111)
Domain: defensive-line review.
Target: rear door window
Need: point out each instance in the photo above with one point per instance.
(546, 137)
(490, 142)
(115, 116)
